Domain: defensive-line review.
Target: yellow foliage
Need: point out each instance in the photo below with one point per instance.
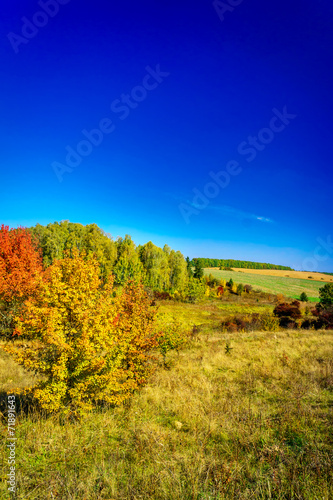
(90, 344)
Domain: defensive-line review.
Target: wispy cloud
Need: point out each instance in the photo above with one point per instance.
(223, 209)
(235, 212)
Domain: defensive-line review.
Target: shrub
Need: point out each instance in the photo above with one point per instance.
(251, 322)
(248, 288)
(89, 345)
(211, 281)
(303, 297)
(280, 298)
(288, 310)
(268, 322)
(324, 317)
(172, 336)
(194, 291)
(162, 295)
(309, 324)
(240, 289)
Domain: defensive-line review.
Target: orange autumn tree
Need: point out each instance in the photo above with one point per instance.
(91, 345)
(20, 273)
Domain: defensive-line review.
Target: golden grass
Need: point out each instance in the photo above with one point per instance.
(255, 424)
(305, 275)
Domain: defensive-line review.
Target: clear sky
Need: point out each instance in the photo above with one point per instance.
(207, 126)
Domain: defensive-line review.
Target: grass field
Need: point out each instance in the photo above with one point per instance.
(289, 274)
(254, 424)
(290, 287)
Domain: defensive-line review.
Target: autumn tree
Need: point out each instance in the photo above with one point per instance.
(20, 273)
(89, 344)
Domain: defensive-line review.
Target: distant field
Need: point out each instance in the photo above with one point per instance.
(291, 287)
(305, 275)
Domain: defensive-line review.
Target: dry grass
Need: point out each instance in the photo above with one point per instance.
(255, 424)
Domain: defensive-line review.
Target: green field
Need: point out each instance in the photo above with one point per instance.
(290, 287)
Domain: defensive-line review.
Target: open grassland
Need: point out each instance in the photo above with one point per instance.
(290, 287)
(305, 275)
(209, 314)
(254, 424)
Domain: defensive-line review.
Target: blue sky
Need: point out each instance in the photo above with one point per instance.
(203, 126)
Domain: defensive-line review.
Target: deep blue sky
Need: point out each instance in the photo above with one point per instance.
(224, 79)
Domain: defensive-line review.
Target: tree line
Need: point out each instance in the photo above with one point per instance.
(157, 268)
(243, 264)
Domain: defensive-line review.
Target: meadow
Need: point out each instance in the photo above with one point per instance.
(290, 287)
(289, 274)
(253, 423)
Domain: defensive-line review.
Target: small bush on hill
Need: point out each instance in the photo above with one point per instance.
(250, 323)
(211, 281)
(162, 295)
(288, 310)
(288, 314)
(324, 317)
(172, 336)
(194, 291)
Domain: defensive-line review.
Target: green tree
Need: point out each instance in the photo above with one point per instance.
(178, 270)
(303, 297)
(189, 267)
(55, 238)
(156, 265)
(128, 265)
(326, 295)
(195, 290)
(198, 270)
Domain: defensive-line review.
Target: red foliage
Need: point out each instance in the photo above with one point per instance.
(20, 264)
(286, 310)
(162, 295)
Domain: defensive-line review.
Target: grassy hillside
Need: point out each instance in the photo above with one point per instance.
(289, 274)
(252, 424)
(290, 287)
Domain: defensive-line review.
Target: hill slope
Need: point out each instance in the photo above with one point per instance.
(290, 287)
